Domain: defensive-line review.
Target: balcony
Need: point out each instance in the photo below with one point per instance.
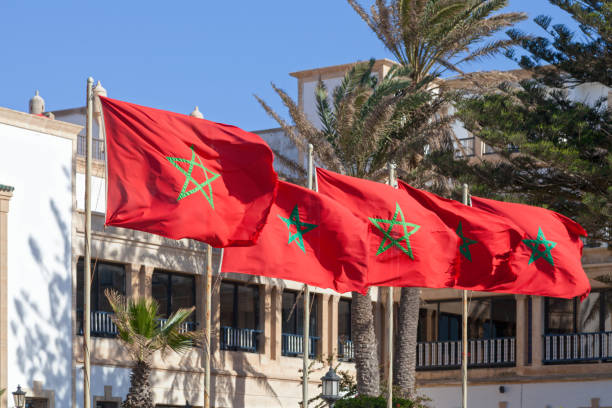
(234, 339)
(346, 350)
(292, 345)
(97, 148)
(438, 355)
(101, 324)
(577, 348)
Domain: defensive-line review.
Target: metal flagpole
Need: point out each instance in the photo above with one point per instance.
(464, 334)
(306, 335)
(207, 327)
(87, 268)
(390, 317)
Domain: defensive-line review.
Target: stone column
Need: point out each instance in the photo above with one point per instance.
(323, 319)
(332, 326)
(132, 280)
(276, 323)
(522, 331)
(537, 332)
(146, 281)
(267, 310)
(5, 196)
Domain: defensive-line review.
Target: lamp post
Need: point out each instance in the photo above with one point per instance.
(331, 387)
(19, 397)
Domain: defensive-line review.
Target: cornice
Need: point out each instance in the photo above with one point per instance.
(39, 124)
(338, 68)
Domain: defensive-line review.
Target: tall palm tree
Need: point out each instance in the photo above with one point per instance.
(433, 37)
(365, 124)
(142, 333)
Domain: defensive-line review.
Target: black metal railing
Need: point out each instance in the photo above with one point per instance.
(346, 350)
(234, 339)
(497, 352)
(577, 347)
(97, 148)
(292, 345)
(101, 324)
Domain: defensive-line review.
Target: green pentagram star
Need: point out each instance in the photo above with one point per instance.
(209, 175)
(464, 248)
(384, 245)
(301, 227)
(540, 248)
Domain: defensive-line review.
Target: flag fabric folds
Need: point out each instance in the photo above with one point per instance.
(183, 177)
(408, 244)
(309, 238)
(486, 240)
(548, 260)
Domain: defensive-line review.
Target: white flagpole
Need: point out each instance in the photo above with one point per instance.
(87, 266)
(207, 327)
(464, 334)
(390, 318)
(306, 334)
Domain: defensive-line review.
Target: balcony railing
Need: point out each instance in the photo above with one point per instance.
(101, 324)
(346, 350)
(292, 345)
(97, 148)
(234, 339)
(498, 352)
(577, 347)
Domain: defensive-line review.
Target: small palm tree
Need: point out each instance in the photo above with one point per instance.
(143, 333)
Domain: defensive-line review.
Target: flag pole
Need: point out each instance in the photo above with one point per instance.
(207, 327)
(390, 317)
(87, 266)
(464, 334)
(306, 335)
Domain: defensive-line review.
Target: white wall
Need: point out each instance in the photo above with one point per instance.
(98, 193)
(529, 395)
(116, 377)
(310, 104)
(39, 166)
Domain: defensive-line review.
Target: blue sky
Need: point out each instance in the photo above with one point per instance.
(175, 55)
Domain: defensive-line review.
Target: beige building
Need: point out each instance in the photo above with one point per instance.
(525, 351)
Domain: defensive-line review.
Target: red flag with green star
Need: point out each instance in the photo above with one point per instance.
(486, 240)
(183, 177)
(309, 238)
(548, 260)
(408, 244)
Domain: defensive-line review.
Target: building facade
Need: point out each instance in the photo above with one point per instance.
(524, 351)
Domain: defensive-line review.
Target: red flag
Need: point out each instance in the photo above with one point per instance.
(408, 244)
(548, 260)
(184, 177)
(308, 238)
(486, 240)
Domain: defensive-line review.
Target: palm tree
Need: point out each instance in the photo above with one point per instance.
(432, 37)
(365, 124)
(142, 333)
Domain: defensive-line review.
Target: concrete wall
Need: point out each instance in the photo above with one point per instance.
(39, 330)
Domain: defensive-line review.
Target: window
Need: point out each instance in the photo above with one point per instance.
(107, 404)
(464, 147)
(560, 316)
(566, 316)
(293, 311)
(172, 292)
(239, 305)
(105, 275)
(344, 319)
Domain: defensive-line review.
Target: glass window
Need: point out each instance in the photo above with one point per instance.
(172, 292)
(464, 147)
(107, 404)
(239, 305)
(344, 319)
(560, 315)
(105, 275)
(293, 309)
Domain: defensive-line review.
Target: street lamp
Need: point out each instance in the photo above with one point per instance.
(19, 397)
(331, 387)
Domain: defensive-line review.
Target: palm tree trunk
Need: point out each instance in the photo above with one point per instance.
(405, 358)
(139, 395)
(366, 349)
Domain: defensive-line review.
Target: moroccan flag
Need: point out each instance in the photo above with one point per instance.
(548, 260)
(308, 238)
(183, 177)
(408, 244)
(486, 240)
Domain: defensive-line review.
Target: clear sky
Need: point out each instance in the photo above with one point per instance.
(177, 54)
